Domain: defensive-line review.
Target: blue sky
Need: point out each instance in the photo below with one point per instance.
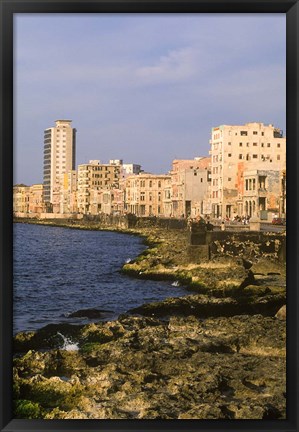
(145, 88)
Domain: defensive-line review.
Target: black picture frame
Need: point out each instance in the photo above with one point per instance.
(10, 7)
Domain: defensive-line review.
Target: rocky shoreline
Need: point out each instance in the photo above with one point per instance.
(218, 353)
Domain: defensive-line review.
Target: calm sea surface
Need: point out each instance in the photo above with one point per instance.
(58, 271)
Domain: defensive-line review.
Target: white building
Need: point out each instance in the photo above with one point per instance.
(59, 156)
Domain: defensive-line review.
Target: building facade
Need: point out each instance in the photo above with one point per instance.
(148, 195)
(234, 150)
(28, 199)
(95, 180)
(21, 195)
(59, 157)
(261, 193)
(190, 179)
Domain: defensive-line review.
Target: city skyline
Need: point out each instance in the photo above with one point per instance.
(145, 88)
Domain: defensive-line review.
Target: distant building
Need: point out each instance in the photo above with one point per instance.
(236, 150)
(261, 193)
(130, 168)
(28, 199)
(65, 193)
(59, 157)
(190, 180)
(95, 180)
(36, 203)
(148, 195)
(21, 198)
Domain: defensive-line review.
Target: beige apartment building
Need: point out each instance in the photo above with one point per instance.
(148, 195)
(59, 157)
(21, 195)
(96, 181)
(28, 199)
(65, 193)
(36, 202)
(262, 193)
(190, 180)
(235, 152)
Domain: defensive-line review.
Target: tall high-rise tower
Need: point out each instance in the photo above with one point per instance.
(59, 155)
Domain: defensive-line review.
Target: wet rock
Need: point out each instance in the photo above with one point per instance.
(204, 306)
(50, 336)
(90, 313)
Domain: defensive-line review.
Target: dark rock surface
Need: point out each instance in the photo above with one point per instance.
(89, 313)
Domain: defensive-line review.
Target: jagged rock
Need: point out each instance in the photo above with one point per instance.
(89, 313)
(185, 368)
(204, 306)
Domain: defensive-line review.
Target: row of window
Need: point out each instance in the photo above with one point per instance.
(150, 183)
(142, 196)
(255, 156)
(242, 133)
(99, 168)
(247, 144)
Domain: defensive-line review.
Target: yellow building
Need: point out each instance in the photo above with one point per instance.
(36, 203)
(148, 195)
(28, 199)
(95, 180)
(21, 194)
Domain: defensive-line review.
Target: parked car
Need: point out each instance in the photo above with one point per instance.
(278, 221)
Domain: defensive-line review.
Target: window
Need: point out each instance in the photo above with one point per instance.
(268, 145)
(254, 144)
(262, 145)
(278, 157)
(229, 179)
(150, 183)
(240, 144)
(278, 145)
(229, 143)
(254, 156)
(240, 156)
(263, 133)
(244, 133)
(229, 155)
(254, 132)
(247, 144)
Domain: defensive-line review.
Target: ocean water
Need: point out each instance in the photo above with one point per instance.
(58, 271)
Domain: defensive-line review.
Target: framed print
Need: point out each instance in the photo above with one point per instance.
(149, 215)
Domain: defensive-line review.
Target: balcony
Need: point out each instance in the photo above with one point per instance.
(262, 192)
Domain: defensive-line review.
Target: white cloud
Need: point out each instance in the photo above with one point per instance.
(177, 65)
